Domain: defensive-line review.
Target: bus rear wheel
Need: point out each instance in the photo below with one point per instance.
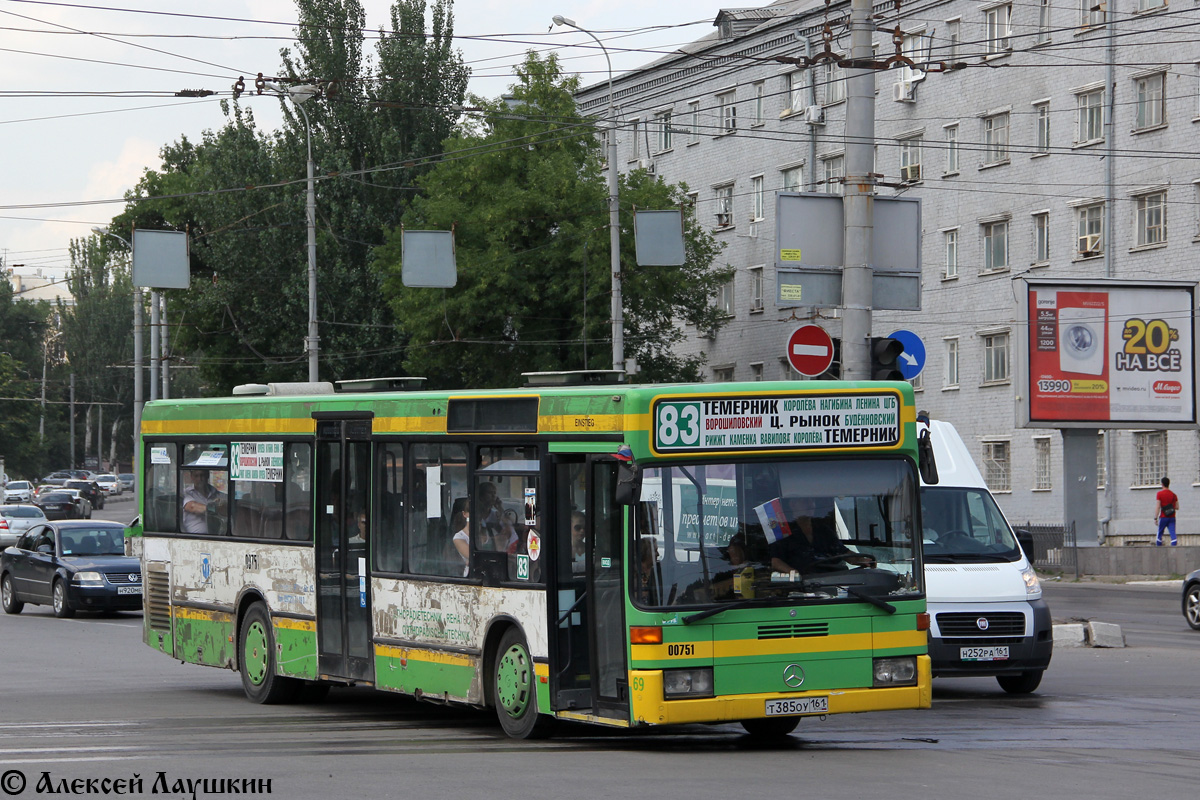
(256, 661)
(514, 689)
(770, 727)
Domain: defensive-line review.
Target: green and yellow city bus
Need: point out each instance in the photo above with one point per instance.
(616, 554)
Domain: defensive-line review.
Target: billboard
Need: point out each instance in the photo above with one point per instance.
(1108, 354)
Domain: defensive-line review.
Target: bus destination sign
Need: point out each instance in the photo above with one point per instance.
(791, 422)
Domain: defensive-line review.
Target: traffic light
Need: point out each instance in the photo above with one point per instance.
(885, 359)
(835, 368)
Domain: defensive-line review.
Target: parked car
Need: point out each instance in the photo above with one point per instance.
(18, 492)
(1191, 599)
(58, 505)
(15, 520)
(89, 489)
(109, 483)
(72, 566)
(126, 481)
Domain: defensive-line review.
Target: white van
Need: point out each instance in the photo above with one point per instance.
(985, 602)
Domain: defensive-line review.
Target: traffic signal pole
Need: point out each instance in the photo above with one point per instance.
(858, 296)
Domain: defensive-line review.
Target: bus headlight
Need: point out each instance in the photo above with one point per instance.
(1032, 584)
(89, 579)
(895, 671)
(681, 683)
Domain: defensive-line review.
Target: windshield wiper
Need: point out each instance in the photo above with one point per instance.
(747, 603)
(854, 591)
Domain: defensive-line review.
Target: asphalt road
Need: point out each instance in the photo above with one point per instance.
(83, 698)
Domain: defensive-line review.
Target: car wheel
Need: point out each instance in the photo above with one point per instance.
(9, 598)
(770, 727)
(62, 606)
(514, 688)
(1191, 606)
(256, 660)
(1024, 683)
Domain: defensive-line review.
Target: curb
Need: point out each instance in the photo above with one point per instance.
(1088, 634)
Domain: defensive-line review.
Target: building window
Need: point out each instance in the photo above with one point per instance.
(832, 82)
(691, 204)
(756, 372)
(635, 128)
(1150, 457)
(1149, 5)
(724, 211)
(759, 97)
(795, 87)
(725, 298)
(722, 374)
(951, 134)
(728, 112)
(793, 179)
(1151, 101)
(951, 250)
(998, 30)
(910, 159)
(1092, 12)
(1042, 131)
(914, 47)
(756, 195)
(1090, 229)
(953, 39)
(662, 125)
(1090, 119)
(1043, 28)
(995, 246)
(950, 379)
(1041, 464)
(995, 138)
(997, 467)
(1151, 218)
(995, 358)
(693, 122)
(918, 382)
(834, 169)
(756, 289)
(1101, 461)
(1041, 237)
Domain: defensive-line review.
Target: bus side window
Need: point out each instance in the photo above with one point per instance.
(439, 474)
(297, 492)
(389, 524)
(162, 491)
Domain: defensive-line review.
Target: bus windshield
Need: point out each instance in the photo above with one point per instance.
(813, 530)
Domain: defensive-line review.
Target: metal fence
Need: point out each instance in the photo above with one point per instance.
(1054, 546)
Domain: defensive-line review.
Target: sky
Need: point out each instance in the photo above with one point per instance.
(86, 98)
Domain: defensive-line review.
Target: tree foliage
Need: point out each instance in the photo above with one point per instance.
(23, 328)
(524, 191)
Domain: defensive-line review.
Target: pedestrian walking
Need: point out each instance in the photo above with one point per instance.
(1166, 503)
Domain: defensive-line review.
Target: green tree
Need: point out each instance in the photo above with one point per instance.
(524, 191)
(23, 328)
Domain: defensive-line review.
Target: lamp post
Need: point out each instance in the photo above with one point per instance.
(298, 94)
(614, 210)
(138, 389)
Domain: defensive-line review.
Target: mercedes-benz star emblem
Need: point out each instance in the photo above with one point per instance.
(982, 623)
(793, 675)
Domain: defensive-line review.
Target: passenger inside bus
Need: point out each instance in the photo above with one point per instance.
(578, 542)
(649, 571)
(460, 523)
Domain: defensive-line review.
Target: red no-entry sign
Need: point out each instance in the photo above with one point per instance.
(810, 350)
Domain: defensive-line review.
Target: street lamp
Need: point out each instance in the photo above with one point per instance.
(614, 211)
(138, 389)
(298, 94)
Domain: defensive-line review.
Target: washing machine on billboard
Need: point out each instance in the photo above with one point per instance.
(1081, 340)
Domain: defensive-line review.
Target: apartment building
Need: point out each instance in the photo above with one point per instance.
(1057, 143)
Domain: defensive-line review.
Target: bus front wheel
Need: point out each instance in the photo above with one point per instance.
(770, 727)
(514, 688)
(256, 651)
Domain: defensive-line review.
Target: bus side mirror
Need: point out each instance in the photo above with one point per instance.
(629, 483)
(926, 463)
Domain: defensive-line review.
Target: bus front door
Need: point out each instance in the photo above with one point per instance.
(343, 469)
(586, 603)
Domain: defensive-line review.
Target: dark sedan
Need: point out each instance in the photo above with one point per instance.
(89, 489)
(57, 505)
(1191, 599)
(72, 565)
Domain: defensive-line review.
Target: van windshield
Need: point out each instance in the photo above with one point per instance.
(965, 525)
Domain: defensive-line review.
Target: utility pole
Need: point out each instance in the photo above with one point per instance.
(72, 459)
(858, 202)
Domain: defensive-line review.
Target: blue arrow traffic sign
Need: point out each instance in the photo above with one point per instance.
(912, 360)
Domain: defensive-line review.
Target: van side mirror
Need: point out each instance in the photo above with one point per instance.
(1025, 539)
(629, 483)
(926, 462)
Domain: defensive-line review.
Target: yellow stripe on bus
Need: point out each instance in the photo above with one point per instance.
(749, 648)
(202, 614)
(581, 423)
(409, 425)
(214, 426)
(288, 624)
(427, 656)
